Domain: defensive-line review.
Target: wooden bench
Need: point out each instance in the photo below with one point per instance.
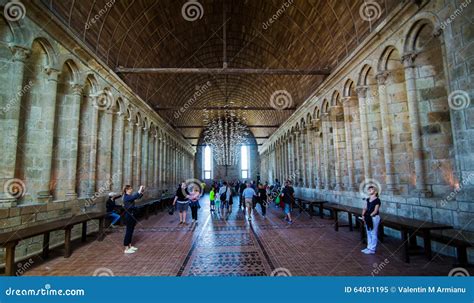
(461, 246)
(9, 240)
(145, 207)
(302, 203)
(335, 208)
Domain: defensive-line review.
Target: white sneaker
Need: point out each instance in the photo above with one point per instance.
(133, 248)
(369, 252)
(364, 250)
(128, 251)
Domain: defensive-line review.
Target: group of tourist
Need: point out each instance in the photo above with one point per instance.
(221, 199)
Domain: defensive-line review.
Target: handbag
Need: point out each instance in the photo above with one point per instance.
(277, 200)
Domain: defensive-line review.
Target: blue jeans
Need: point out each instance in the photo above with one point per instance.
(115, 217)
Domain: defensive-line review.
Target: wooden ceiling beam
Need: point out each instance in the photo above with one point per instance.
(243, 108)
(223, 71)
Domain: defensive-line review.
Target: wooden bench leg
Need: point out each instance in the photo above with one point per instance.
(84, 232)
(426, 243)
(406, 245)
(349, 217)
(147, 207)
(336, 221)
(45, 253)
(461, 252)
(10, 258)
(321, 211)
(101, 234)
(381, 233)
(67, 242)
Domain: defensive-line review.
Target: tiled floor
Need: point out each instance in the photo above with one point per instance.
(231, 246)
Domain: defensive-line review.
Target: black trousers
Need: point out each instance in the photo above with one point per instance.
(194, 212)
(130, 222)
(263, 206)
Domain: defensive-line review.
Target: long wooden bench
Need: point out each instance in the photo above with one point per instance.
(461, 245)
(9, 240)
(302, 203)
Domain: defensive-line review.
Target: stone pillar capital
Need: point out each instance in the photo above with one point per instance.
(52, 73)
(408, 59)
(348, 99)
(19, 53)
(382, 77)
(77, 89)
(361, 91)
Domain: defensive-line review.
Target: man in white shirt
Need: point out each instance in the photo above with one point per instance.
(248, 195)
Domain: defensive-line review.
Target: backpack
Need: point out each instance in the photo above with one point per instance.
(223, 196)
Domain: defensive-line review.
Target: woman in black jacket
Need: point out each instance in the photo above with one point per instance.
(130, 220)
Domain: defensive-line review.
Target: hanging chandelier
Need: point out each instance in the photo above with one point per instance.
(224, 133)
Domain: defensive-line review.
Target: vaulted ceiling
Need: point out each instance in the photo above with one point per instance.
(303, 34)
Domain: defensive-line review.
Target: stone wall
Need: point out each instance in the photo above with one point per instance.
(72, 131)
(397, 114)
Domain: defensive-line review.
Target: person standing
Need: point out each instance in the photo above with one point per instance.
(224, 195)
(241, 195)
(287, 195)
(262, 199)
(249, 194)
(110, 208)
(212, 197)
(194, 204)
(182, 199)
(130, 215)
(371, 218)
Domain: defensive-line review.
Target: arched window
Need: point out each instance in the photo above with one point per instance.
(207, 159)
(244, 162)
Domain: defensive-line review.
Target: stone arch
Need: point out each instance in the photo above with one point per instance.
(325, 107)
(349, 88)
(50, 52)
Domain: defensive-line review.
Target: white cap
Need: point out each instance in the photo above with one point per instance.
(111, 194)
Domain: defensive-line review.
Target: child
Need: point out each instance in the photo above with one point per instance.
(217, 200)
(371, 218)
(212, 196)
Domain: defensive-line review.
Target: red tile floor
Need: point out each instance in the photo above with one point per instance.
(228, 245)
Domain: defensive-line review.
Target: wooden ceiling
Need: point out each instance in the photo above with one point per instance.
(305, 34)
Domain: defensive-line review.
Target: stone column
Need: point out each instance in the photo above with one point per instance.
(144, 163)
(338, 145)
(310, 165)
(156, 160)
(163, 167)
(129, 164)
(75, 113)
(285, 158)
(138, 155)
(362, 94)
(318, 154)
(298, 174)
(416, 139)
(348, 104)
(10, 119)
(119, 169)
(325, 126)
(290, 156)
(49, 107)
(304, 158)
(386, 133)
